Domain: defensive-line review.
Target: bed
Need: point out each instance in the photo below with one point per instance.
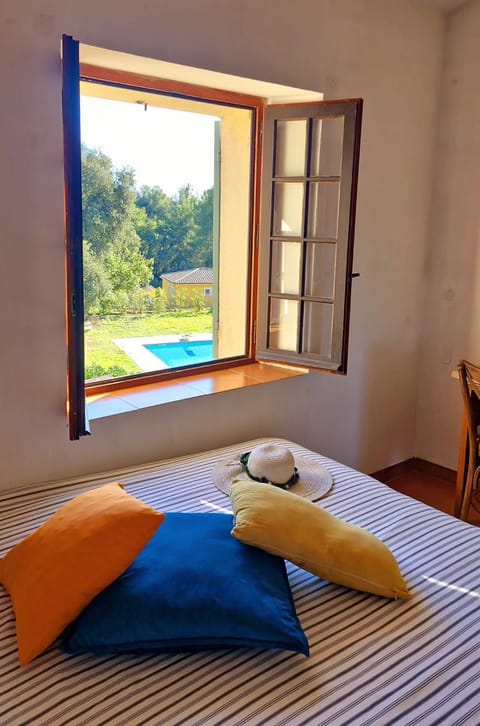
(372, 660)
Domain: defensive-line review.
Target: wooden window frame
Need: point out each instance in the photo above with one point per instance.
(125, 79)
(166, 87)
(76, 408)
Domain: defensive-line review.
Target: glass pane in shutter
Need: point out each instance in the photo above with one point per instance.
(320, 269)
(326, 148)
(323, 204)
(317, 329)
(282, 329)
(287, 209)
(290, 148)
(285, 268)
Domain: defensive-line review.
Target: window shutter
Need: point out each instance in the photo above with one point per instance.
(309, 181)
(78, 425)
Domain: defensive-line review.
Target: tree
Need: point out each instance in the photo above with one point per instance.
(108, 195)
(205, 227)
(176, 232)
(131, 238)
(114, 263)
(96, 284)
(152, 225)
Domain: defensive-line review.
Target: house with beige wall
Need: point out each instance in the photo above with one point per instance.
(189, 287)
(416, 305)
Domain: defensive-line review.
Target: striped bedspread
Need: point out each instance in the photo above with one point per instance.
(373, 661)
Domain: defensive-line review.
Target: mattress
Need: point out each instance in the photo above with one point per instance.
(372, 660)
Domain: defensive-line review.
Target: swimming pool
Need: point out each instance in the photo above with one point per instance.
(182, 353)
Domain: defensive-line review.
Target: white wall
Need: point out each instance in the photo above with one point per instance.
(387, 52)
(452, 306)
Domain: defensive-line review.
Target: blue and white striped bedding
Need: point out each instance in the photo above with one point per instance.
(373, 661)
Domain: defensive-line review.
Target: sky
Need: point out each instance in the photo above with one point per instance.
(166, 148)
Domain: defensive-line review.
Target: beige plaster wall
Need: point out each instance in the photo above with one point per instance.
(387, 52)
(452, 302)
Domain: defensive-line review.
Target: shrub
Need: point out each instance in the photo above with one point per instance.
(96, 370)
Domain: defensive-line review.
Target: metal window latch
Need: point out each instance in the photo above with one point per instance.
(354, 274)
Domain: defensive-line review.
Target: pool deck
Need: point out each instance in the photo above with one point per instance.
(147, 361)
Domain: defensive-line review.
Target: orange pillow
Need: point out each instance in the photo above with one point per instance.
(54, 573)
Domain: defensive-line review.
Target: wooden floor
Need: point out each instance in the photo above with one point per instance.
(436, 492)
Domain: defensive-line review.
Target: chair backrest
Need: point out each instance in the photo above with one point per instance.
(469, 375)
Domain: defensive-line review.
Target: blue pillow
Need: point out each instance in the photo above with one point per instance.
(193, 587)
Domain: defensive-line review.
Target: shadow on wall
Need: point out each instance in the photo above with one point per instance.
(451, 327)
(366, 419)
(386, 434)
(394, 404)
(452, 320)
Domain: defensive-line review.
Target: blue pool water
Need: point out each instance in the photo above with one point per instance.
(183, 353)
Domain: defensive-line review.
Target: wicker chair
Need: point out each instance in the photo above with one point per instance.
(469, 376)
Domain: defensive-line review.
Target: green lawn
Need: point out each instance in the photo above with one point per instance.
(104, 358)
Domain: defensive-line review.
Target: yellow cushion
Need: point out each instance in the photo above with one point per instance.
(291, 527)
(55, 572)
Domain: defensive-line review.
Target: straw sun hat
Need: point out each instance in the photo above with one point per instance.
(275, 464)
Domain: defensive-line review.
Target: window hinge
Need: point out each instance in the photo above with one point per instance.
(257, 235)
(73, 305)
(254, 332)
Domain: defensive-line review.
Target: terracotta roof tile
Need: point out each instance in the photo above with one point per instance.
(198, 276)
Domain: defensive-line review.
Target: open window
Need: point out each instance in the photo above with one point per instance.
(170, 283)
(310, 169)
